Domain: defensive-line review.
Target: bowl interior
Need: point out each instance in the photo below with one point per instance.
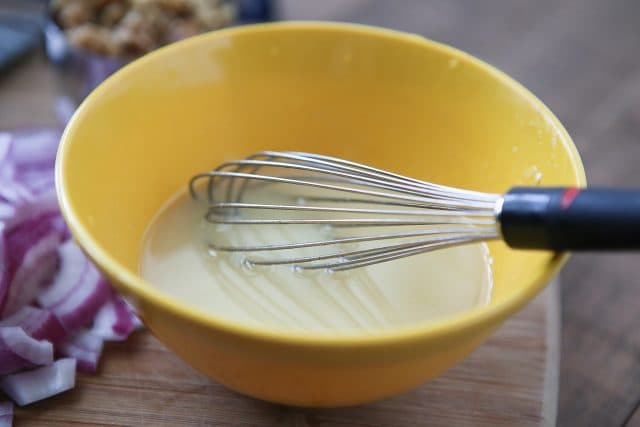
(394, 101)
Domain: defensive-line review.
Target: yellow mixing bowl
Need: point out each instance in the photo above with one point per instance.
(393, 100)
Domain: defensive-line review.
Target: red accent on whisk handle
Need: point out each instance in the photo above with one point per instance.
(571, 219)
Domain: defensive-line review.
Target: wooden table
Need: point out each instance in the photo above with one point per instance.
(581, 58)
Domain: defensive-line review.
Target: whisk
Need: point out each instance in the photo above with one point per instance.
(377, 216)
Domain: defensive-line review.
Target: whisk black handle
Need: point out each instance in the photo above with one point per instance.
(571, 219)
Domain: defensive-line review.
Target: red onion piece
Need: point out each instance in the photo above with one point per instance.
(5, 146)
(77, 292)
(7, 211)
(18, 350)
(85, 348)
(16, 213)
(32, 258)
(33, 148)
(115, 321)
(4, 261)
(39, 182)
(13, 191)
(6, 414)
(40, 265)
(72, 267)
(38, 323)
(78, 310)
(125, 319)
(61, 227)
(30, 386)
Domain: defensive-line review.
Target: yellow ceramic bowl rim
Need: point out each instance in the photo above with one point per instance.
(144, 291)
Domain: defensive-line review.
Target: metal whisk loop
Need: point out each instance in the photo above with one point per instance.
(341, 194)
(351, 259)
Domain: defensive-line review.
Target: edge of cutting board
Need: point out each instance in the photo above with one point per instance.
(510, 380)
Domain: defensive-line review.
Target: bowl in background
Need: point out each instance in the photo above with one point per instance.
(79, 71)
(393, 100)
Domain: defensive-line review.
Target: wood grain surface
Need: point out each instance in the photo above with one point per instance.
(510, 381)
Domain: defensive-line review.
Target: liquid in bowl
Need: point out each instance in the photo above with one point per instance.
(176, 258)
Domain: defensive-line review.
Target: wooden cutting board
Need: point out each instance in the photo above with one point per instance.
(511, 380)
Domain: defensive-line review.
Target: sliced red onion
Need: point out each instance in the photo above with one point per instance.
(44, 205)
(7, 173)
(115, 321)
(77, 291)
(61, 227)
(34, 148)
(4, 262)
(18, 350)
(72, 267)
(30, 386)
(85, 348)
(15, 192)
(31, 241)
(22, 237)
(38, 181)
(35, 267)
(38, 323)
(38, 205)
(5, 146)
(124, 324)
(78, 310)
(38, 265)
(7, 211)
(27, 160)
(6, 414)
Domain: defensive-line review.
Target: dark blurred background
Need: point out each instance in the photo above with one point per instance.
(581, 57)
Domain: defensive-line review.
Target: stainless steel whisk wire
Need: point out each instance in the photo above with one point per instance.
(448, 216)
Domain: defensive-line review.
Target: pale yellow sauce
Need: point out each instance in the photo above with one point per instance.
(176, 259)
